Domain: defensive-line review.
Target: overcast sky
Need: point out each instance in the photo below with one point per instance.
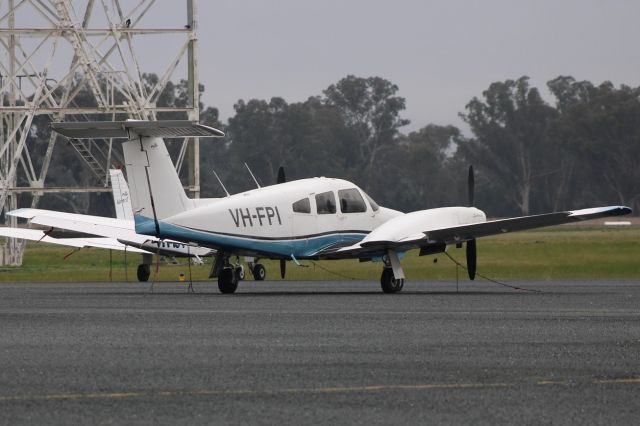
(439, 53)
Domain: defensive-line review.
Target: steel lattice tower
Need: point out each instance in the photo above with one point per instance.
(51, 50)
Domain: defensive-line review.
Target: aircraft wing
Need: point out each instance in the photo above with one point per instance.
(435, 240)
(119, 230)
(30, 214)
(41, 236)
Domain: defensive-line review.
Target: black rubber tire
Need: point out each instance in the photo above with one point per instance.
(259, 272)
(227, 281)
(143, 272)
(240, 272)
(389, 283)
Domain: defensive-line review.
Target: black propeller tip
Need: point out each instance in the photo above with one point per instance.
(471, 186)
(283, 268)
(281, 176)
(472, 255)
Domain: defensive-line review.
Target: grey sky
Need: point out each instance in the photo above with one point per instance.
(440, 53)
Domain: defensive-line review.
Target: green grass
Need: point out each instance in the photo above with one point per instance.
(567, 252)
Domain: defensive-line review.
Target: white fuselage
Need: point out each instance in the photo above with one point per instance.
(294, 219)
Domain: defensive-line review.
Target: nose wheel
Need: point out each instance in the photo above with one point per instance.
(389, 283)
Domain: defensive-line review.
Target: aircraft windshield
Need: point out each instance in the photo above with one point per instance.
(374, 205)
(351, 201)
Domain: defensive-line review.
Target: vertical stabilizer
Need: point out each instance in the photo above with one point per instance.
(121, 195)
(156, 190)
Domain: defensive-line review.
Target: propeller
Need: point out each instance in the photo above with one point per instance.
(282, 179)
(471, 186)
(471, 258)
(283, 268)
(281, 176)
(471, 244)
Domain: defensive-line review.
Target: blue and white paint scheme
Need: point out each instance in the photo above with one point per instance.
(317, 218)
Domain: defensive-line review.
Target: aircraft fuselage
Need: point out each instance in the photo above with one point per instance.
(294, 219)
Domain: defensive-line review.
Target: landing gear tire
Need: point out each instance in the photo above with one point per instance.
(144, 272)
(240, 272)
(227, 281)
(389, 283)
(259, 273)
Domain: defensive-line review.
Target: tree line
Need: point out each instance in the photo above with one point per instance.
(530, 156)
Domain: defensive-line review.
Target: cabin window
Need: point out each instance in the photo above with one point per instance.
(326, 203)
(302, 206)
(374, 205)
(351, 201)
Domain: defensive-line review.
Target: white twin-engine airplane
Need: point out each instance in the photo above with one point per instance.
(318, 218)
(103, 232)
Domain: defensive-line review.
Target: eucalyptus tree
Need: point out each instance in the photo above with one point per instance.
(511, 140)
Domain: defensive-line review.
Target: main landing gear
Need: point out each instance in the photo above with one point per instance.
(228, 280)
(389, 283)
(392, 279)
(257, 269)
(228, 275)
(143, 272)
(144, 269)
(259, 272)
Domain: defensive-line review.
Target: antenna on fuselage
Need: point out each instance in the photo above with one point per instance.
(251, 173)
(220, 182)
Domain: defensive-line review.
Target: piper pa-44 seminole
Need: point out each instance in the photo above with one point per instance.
(316, 218)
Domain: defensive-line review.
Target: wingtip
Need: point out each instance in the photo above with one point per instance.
(213, 132)
(626, 210)
(603, 211)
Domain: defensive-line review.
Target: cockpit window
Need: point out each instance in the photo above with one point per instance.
(302, 206)
(374, 205)
(326, 203)
(351, 201)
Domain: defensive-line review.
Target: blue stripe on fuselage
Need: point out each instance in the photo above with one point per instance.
(300, 248)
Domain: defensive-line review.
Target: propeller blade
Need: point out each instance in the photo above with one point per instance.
(471, 259)
(471, 186)
(283, 268)
(281, 176)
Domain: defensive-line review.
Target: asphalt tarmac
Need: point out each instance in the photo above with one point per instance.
(320, 353)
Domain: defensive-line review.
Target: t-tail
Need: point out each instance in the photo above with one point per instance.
(155, 188)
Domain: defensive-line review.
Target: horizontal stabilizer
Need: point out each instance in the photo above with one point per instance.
(123, 129)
